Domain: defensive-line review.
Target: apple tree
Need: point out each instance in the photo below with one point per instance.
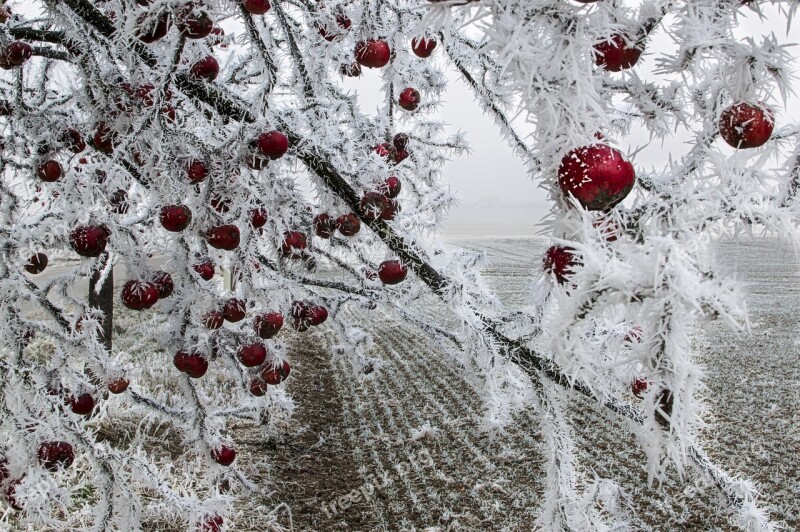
(139, 139)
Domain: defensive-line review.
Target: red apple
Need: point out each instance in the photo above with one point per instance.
(104, 138)
(390, 187)
(193, 21)
(153, 28)
(205, 270)
(746, 125)
(294, 242)
(330, 32)
(372, 205)
(213, 320)
(423, 47)
(258, 217)
(49, 171)
(36, 264)
(175, 218)
(164, 284)
(11, 495)
(400, 156)
(224, 455)
(597, 175)
(223, 237)
(139, 295)
(196, 171)
(273, 144)
(89, 240)
(275, 373)
(118, 385)
(389, 213)
(324, 226)
(558, 261)
(267, 325)
(74, 140)
(348, 224)
(400, 141)
(55, 455)
(217, 38)
(392, 272)
(315, 315)
(617, 53)
(256, 7)
(212, 523)
(639, 387)
(252, 355)
(258, 387)
(18, 52)
(82, 404)
(374, 53)
(385, 150)
(206, 69)
(409, 99)
(350, 70)
(119, 202)
(194, 364)
(234, 310)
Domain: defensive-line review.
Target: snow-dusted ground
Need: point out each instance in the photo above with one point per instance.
(401, 448)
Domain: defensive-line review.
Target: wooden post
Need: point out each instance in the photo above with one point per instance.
(103, 299)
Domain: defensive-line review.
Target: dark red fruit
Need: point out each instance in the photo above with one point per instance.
(597, 175)
(193, 22)
(82, 404)
(205, 270)
(400, 156)
(273, 144)
(372, 205)
(224, 455)
(11, 492)
(389, 213)
(390, 187)
(617, 53)
(55, 455)
(392, 272)
(400, 141)
(294, 242)
(194, 364)
(348, 224)
(212, 524)
(196, 171)
(258, 387)
(374, 53)
(213, 320)
(351, 70)
(207, 69)
(258, 218)
(119, 202)
(49, 171)
(746, 125)
(330, 32)
(316, 315)
(276, 373)
(409, 99)
(164, 284)
(175, 218)
(252, 355)
(234, 310)
(220, 204)
(324, 225)
(558, 261)
(74, 140)
(18, 52)
(89, 240)
(153, 28)
(223, 237)
(423, 47)
(139, 295)
(119, 385)
(104, 138)
(267, 325)
(639, 387)
(385, 150)
(256, 7)
(36, 264)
